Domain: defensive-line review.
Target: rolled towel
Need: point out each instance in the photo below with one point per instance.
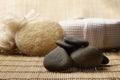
(101, 33)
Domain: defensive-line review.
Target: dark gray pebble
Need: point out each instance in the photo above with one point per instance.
(63, 44)
(105, 60)
(57, 60)
(68, 47)
(87, 57)
(76, 41)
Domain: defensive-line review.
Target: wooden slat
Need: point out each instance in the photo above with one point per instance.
(26, 67)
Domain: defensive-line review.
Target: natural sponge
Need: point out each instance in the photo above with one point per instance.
(38, 37)
(9, 25)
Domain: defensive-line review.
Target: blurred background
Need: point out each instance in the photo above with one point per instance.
(63, 9)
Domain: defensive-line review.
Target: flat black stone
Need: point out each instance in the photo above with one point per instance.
(87, 57)
(76, 41)
(68, 47)
(63, 44)
(57, 60)
(105, 60)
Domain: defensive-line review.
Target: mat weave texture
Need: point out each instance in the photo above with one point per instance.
(17, 67)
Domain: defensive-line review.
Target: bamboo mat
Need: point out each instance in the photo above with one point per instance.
(16, 67)
(63, 9)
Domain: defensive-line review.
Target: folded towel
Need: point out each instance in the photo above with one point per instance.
(101, 33)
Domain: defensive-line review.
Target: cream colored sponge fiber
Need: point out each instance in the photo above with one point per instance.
(38, 37)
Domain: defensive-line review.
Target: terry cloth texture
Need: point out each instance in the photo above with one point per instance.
(17, 67)
(101, 33)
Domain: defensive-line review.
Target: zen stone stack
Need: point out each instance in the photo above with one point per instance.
(73, 52)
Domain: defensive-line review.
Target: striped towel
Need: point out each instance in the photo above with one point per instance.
(101, 33)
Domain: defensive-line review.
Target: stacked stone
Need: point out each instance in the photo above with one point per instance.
(73, 52)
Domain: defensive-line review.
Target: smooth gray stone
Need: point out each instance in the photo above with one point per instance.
(68, 47)
(57, 60)
(76, 41)
(105, 60)
(87, 57)
(63, 44)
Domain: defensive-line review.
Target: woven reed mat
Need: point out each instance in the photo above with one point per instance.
(16, 67)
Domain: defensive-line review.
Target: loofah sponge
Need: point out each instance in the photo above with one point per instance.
(9, 25)
(38, 36)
